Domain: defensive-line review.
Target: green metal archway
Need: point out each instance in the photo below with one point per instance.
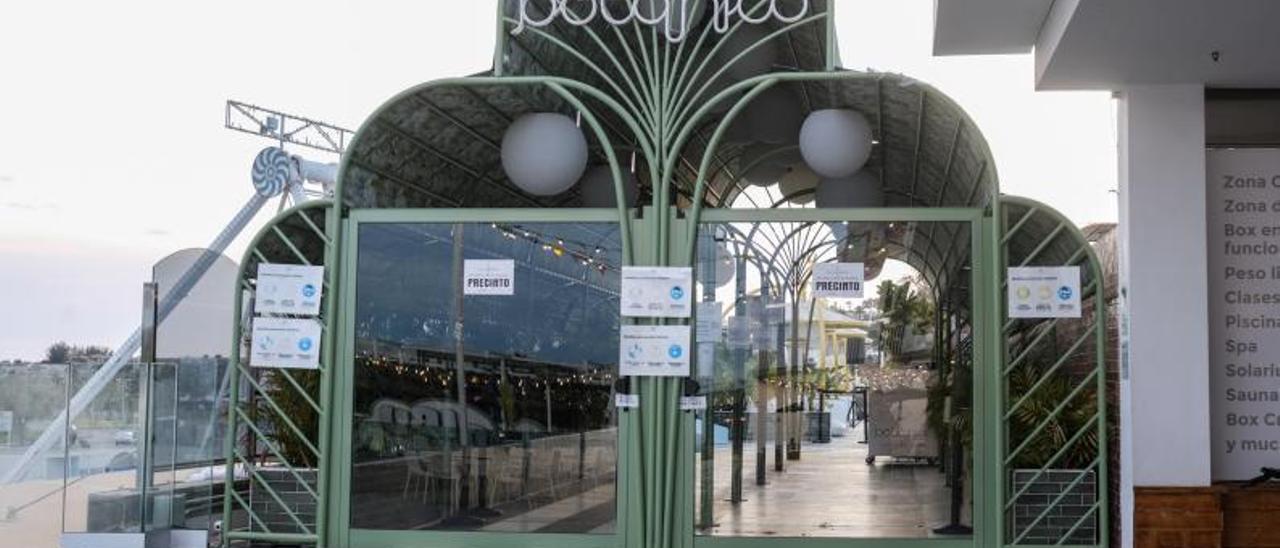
(667, 112)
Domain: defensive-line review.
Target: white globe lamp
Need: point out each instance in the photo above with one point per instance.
(836, 143)
(544, 153)
(797, 184)
(725, 267)
(765, 166)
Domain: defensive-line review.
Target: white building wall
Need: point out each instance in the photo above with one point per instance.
(1164, 275)
(1164, 388)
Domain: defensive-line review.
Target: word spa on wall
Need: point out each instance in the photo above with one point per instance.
(677, 16)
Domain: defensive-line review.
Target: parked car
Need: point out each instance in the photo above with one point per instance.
(126, 437)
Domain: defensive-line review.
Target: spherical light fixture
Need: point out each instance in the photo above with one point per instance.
(765, 165)
(836, 143)
(765, 174)
(598, 190)
(726, 268)
(544, 153)
(796, 182)
(863, 189)
(723, 268)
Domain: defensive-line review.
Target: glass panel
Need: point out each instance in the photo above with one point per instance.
(188, 431)
(31, 397)
(88, 483)
(485, 412)
(189, 392)
(836, 415)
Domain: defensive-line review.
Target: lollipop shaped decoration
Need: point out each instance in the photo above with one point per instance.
(273, 171)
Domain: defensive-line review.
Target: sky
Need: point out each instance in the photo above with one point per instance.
(113, 153)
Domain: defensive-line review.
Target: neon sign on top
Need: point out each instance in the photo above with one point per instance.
(725, 13)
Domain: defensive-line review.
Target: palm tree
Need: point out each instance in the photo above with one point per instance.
(902, 307)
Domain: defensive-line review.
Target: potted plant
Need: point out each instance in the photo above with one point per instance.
(1067, 488)
(285, 478)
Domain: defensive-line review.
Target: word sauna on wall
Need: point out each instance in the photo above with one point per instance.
(654, 12)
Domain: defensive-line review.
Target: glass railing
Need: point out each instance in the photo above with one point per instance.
(67, 484)
(188, 425)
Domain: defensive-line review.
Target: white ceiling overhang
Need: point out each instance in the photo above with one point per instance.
(986, 27)
(1109, 45)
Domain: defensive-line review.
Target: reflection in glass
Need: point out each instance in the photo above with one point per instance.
(87, 482)
(485, 412)
(835, 417)
(188, 426)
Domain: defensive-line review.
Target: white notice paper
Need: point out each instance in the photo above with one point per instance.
(838, 280)
(1044, 292)
(654, 351)
(626, 401)
(286, 343)
(485, 277)
(657, 292)
(693, 403)
(710, 323)
(6, 421)
(289, 289)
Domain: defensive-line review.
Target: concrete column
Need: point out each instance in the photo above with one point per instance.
(1164, 288)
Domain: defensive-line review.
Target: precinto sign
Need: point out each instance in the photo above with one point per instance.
(685, 12)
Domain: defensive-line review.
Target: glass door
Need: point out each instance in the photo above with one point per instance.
(835, 410)
(483, 359)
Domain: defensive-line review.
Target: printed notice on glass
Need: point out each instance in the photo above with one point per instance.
(1244, 311)
(710, 323)
(626, 401)
(289, 289)
(654, 351)
(838, 280)
(1044, 292)
(657, 292)
(693, 403)
(486, 277)
(6, 421)
(286, 343)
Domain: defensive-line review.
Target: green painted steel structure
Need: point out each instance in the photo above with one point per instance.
(430, 155)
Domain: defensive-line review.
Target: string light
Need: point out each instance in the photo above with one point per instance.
(559, 246)
(443, 374)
